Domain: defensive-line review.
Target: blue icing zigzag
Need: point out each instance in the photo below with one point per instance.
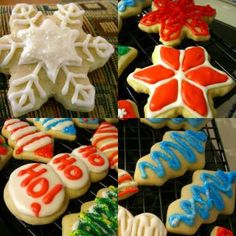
(205, 198)
(50, 123)
(184, 143)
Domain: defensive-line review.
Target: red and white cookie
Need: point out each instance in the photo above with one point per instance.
(175, 20)
(35, 194)
(28, 142)
(126, 185)
(73, 173)
(180, 82)
(106, 140)
(5, 152)
(127, 109)
(96, 162)
(220, 231)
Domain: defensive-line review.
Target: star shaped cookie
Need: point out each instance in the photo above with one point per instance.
(50, 56)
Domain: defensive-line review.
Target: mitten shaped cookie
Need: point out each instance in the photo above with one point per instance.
(178, 152)
(28, 142)
(211, 193)
(50, 56)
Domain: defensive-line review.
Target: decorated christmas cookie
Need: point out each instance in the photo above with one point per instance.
(145, 224)
(126, 55)
(127, 109)
(89, 123)
(5, 152)
(95, 160)
(128, 8)
(181, 82)
(120, 23)
(50, 56)
(178, 152)
(126, 185)
(176, 123)
(61, 128)
(97, 218)
(175, 20)
(28, 142)
(220, 231)
(210, 194)
(106, 140)
(35, 194)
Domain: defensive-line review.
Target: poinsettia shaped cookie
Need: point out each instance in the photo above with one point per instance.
(50, 56)
(27, 141)
(5, 152)
(177, 19)
(181, 82)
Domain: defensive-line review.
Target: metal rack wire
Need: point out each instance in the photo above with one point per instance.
(135, 141)
(11, 226)
(221, 49)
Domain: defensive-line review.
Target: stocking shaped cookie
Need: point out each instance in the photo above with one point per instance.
(210, 194)
(28, 142)
(61, 128)
(178, 152)
(106, 140)
(145, 224)
(5, 152)
(127, 109)
(97, 218)
(50, 56)
(181, 82)
(126, 185)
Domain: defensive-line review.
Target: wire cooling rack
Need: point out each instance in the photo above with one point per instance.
(221, 48)
(11, 226)
(135, 141)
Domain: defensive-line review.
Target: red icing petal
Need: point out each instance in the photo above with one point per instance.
(153, 74)
(198, 27)
(46, 151)
(193, 57)
(206, 76)
(164, 95)
(223, 232)
(170, 56)
(194, 98)
(170, 31)
(128, 106)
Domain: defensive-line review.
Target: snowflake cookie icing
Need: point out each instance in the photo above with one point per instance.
(50, 56)
(181, 82)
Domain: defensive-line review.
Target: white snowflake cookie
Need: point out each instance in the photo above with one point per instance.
(50, 56)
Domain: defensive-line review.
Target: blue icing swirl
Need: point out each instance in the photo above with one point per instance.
(205, 197)
(184, 144)
(122, 5)
(89, 120)
(46, 122)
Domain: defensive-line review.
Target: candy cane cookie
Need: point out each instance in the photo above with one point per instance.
(5, 152)
(28, 142)
(126, 185)
(106, 140)
(178, 152)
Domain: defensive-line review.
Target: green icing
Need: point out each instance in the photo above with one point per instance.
(122, 50)
(101, 219)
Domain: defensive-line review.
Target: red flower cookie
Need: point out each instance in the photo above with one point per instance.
(176, 19)
(181, 82)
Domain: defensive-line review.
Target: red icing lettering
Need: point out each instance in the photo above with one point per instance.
(38, 187)
(36, 207)
(170, 57)
(71, 172)
(52, 193)
(129, 108)
(154, 74)
(194, 98)
(164, 95)
(32, 174)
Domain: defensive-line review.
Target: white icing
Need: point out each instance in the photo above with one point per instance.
(16, 125)
(22, 201)
(126, 183)
(97, 169)
(125, 221)
(179, 75)
(75, 184)
(28, 138)
(122, 113)
(22, 132)
(52, 47)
